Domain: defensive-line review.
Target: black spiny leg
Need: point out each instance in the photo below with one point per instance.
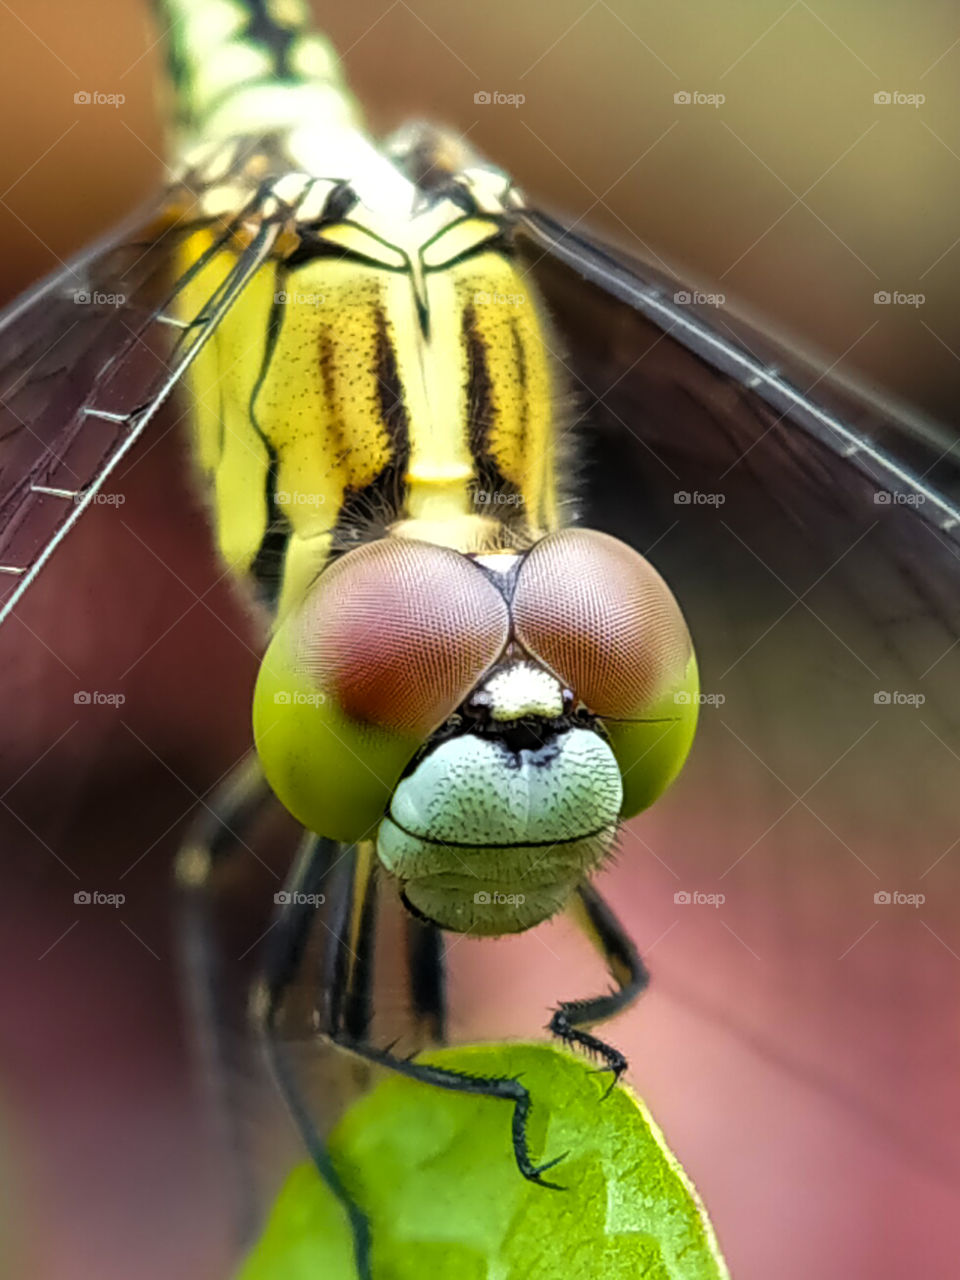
(505, 1087)
(343, 1012)
(622, 959)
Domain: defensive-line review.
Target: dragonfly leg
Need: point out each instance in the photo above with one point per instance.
(343, 1013)
(507, 1088)
(333, 875)
(427, 989)
(425, 961)
(630, 973)
(219, 833)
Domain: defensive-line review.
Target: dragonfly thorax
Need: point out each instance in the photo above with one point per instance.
(387, 369)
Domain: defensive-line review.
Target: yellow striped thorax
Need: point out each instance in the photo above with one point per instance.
(389, 370)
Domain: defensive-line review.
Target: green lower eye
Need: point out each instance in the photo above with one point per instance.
(651, 752)
(334, 774)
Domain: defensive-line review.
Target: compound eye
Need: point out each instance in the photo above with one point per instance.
(387, 643)
(601, 617)
(398, 632)
(603, 620)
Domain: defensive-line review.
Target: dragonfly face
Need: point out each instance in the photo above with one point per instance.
(491, 718)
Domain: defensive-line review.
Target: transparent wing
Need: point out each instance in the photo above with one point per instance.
(740, 382)
(810, 535)
(86, 360)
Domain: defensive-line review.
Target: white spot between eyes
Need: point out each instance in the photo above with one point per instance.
(524, 690)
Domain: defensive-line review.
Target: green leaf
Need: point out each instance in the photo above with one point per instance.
(436, 1174)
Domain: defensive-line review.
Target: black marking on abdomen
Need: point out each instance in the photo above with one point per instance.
(263, 29)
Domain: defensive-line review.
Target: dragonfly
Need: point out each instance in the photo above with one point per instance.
(474, 671)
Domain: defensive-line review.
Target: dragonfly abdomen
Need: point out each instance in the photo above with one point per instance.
(238, 66)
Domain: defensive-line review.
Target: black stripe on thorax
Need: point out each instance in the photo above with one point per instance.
(366, 512)
(481, 424)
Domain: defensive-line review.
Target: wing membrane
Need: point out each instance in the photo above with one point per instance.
(894, 449)
(88, 359)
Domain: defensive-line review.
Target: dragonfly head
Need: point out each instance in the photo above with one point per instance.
(507, 807)
(489, 720)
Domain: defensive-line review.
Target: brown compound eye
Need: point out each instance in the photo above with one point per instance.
(601, 617)
(387, 643)
(605, 622)
(398, 632)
